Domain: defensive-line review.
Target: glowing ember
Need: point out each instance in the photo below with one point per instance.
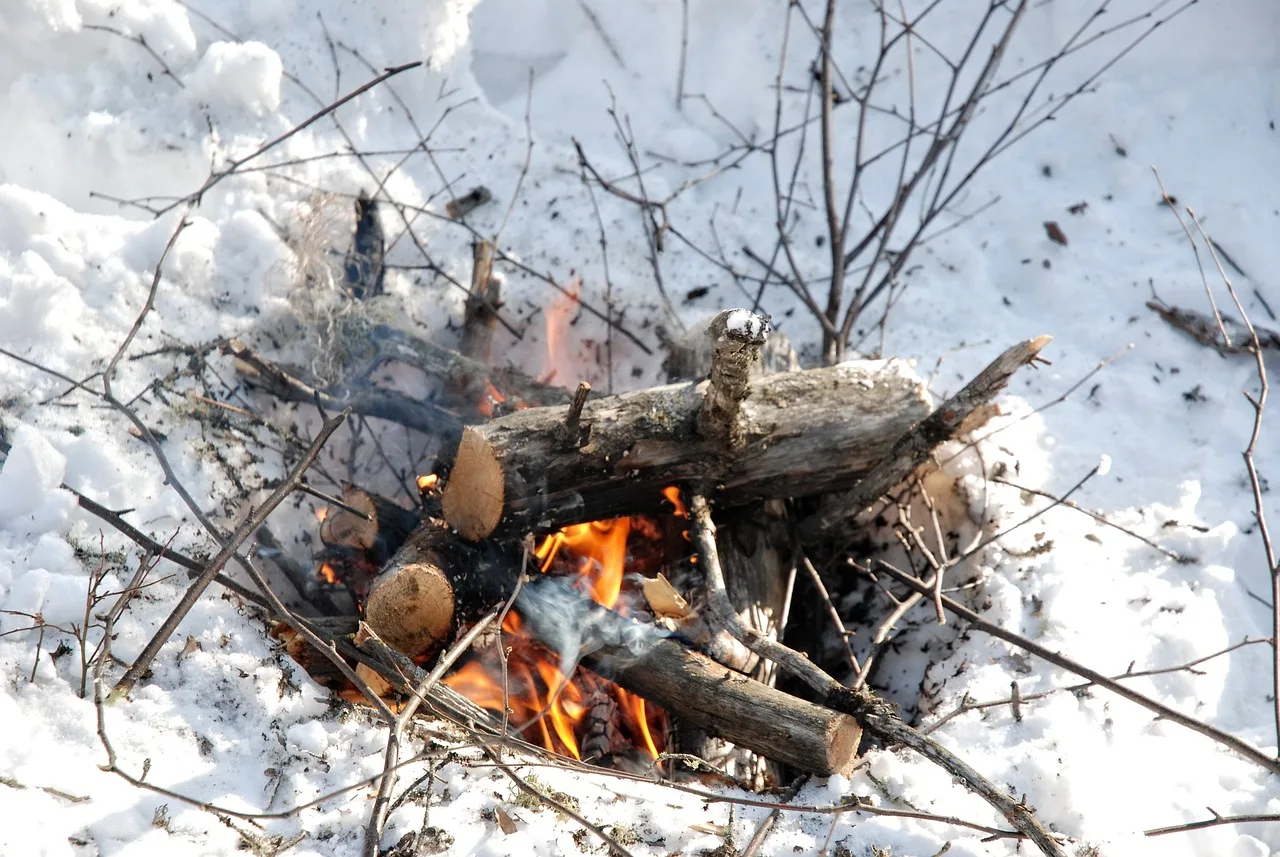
(327, 574)
(427, 484)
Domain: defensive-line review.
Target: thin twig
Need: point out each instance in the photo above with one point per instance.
(246, 528)
(1239, 747)
(381, 803)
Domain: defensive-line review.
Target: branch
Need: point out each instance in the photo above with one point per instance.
(1236, 745)
(876, 715)
(198, 586)
(912, 449)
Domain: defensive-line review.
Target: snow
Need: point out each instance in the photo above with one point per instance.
(745, 324)
(91, 118)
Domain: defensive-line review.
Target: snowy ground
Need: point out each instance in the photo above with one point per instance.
(92, 116)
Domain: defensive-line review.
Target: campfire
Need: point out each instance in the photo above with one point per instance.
(634, 553)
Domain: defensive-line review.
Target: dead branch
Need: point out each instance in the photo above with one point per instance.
(235, 165)
(1239, 747)
(382, 404)
(966, 705)
(1211, 822)
(378, 815)
(229, 549)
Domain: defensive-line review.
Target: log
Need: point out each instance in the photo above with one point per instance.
(435, 584)
(377, 529)
(795, 434)
(835, 515)
(690, 686)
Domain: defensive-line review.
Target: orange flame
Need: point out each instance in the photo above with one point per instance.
(550, 707)
(428, 483)
(327, 574)
(559, 315)
(672, 493)
(490, 400)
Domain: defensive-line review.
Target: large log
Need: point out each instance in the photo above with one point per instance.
(796, 434)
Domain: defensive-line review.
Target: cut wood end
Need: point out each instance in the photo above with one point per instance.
(474, 496)
(347, 529)
(844, 739)
(411, 608)
(1038, 343)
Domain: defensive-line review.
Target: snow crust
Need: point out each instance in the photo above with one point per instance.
(226, 718)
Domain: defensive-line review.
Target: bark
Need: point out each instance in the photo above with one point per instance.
(834, 516)
(802, 434)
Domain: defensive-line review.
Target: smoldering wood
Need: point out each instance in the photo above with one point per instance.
(689, 685)
(835, 515)
(291, 385)
(804, 433)
(370, 342)
(363, 264)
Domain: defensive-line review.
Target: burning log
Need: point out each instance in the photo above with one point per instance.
(437, 583)
(690, 686)
(745, 439)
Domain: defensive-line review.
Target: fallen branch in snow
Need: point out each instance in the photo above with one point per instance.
(1237, 745)
(229, 549)
(1211, 822)
(966, 705)
(876, 716)
(1180, 558)
(1258, 402)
